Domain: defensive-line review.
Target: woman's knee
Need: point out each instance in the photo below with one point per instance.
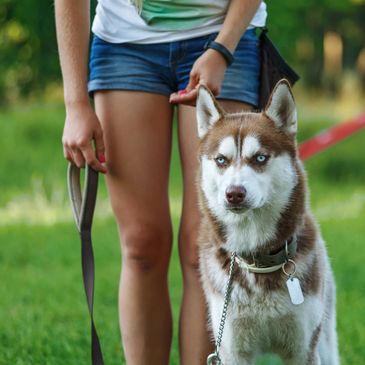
(146, 246)
(189, 248)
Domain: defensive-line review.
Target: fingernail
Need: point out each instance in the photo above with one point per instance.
(101, 157)
(182, 92)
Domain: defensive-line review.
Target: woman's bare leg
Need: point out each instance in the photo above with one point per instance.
(195, 341)
(193, 334)
(137, 134)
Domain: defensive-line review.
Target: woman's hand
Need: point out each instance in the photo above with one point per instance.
(81, 128)
(207, 70)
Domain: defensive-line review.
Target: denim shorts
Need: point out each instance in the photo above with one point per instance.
(163, 68)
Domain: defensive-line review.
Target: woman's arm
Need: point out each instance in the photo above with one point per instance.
(82, 125)
(72, 25)
(238, 18)
(209, 68)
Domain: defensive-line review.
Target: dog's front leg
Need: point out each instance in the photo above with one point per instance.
(236, 345)
(312, 359)
(231, 351)
(304, 356)
(234, 358)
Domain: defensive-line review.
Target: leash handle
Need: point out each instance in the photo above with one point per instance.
(83, 206)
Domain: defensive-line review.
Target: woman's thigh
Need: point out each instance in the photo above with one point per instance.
(137, 136)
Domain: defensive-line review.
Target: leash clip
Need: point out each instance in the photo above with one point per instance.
(214, 359)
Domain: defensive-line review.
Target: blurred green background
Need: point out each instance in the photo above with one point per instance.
(43, 313)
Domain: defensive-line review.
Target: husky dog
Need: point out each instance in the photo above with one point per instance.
(254, 203)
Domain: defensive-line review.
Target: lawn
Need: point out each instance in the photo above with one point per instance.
(43, 312)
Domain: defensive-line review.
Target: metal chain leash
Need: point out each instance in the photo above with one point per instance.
(214, 358)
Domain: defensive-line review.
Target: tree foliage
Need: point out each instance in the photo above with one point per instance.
(28, 52)
(298, 28)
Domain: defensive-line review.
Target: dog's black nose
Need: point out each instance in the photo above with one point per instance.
(235, 194)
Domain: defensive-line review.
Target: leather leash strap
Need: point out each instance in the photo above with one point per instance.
(83, 205)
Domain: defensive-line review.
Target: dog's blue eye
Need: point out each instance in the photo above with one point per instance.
(261, 158)
(220, 160)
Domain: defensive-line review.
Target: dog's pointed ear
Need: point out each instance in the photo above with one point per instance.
(207, 111)
(281, 108)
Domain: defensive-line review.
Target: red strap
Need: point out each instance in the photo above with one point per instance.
(330, 136)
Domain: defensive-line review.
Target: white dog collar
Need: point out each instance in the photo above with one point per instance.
(254, 269)
(264, 264)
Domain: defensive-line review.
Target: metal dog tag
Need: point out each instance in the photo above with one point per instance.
(295, 291)
(213, 359)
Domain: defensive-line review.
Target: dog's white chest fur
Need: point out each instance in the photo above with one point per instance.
(253, 199)
(259, 321)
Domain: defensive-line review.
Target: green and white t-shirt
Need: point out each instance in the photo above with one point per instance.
(119, 21)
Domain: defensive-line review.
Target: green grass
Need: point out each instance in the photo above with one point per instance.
(43, 313)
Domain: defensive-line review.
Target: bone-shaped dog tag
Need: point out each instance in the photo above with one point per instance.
(213, 359)
(295, 291)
